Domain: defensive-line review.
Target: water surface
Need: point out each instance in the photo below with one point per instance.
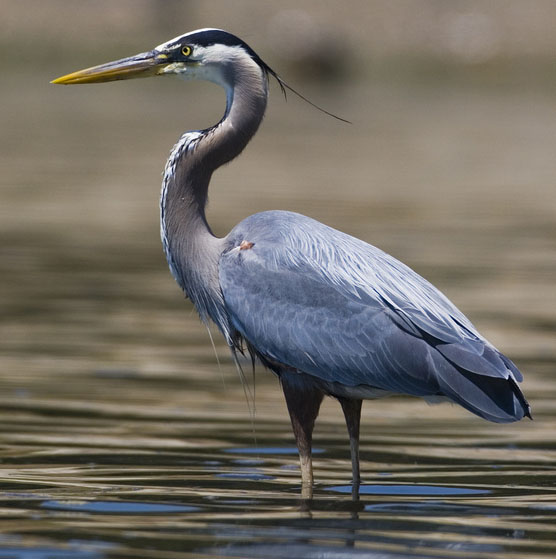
(123, 435)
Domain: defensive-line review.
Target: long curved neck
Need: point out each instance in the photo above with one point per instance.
(191, 248)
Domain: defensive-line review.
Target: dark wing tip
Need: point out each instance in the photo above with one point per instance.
(521, 398)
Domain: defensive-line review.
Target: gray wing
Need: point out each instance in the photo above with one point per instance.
(334, 307)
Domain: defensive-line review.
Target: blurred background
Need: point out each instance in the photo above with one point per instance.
(448, 164)
(121, 429)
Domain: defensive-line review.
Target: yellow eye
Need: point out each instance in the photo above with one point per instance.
(186, 51)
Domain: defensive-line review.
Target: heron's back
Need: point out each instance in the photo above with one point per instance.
(334, 307)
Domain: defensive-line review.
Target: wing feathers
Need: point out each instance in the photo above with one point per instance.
(315, 299)
(473, 356)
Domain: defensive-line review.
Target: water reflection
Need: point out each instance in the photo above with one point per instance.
(124, 477)
(421, 490)
(121, 434)
(113, 463)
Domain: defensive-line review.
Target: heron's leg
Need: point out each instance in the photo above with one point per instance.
(352, 412)
(303, 400)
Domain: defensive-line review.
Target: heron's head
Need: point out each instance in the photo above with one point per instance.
(207, 54)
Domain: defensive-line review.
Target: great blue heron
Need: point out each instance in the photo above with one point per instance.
(328, 313)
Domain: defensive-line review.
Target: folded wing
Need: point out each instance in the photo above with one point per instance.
(334, 307)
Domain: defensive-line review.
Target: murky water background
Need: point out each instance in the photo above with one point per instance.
(121, 433)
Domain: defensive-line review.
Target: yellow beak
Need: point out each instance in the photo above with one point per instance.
(139, 66)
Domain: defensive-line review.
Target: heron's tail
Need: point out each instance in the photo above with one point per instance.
(496, 399)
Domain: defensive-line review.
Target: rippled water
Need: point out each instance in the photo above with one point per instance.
(123, 435)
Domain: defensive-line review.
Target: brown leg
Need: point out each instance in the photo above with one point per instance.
(352, 413)
(303, 400)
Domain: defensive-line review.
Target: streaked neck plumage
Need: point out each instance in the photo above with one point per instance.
(191, 248)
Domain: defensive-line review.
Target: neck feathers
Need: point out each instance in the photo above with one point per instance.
(191, 248)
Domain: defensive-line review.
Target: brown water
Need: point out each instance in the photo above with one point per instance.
(123, 435)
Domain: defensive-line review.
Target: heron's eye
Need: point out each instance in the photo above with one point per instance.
(186, 51)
